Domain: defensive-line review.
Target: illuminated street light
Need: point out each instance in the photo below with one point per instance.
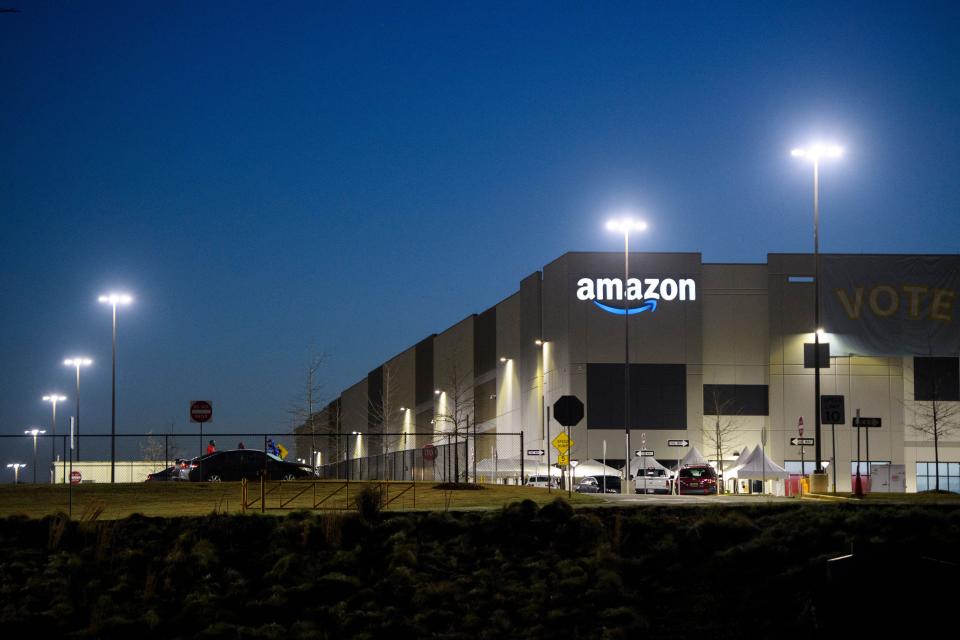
(53, 399)
(16, 466)
(34, 432)
(114, 300)
(625, 225)
(815, 153)
(78, 362)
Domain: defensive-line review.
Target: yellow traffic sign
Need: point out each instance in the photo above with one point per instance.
(563, 459)
(562, 442)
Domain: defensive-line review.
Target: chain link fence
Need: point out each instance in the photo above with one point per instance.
(436, 457)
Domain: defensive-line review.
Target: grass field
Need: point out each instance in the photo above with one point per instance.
(194, 499)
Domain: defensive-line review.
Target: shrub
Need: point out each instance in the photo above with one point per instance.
(369, 502)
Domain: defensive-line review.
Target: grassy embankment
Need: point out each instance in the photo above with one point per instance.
(196, 499)
(521, 571)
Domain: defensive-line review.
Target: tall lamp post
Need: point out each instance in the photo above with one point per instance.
(34, 432)
(815, 153)
(53, 399)
(16, 466)
(78, 362)
(625, 225)
(114, 299)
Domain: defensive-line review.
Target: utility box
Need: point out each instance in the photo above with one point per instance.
(889, 478)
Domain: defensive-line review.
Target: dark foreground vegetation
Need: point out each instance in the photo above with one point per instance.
(523, 571)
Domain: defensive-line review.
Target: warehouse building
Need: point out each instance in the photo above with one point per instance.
(714, 349)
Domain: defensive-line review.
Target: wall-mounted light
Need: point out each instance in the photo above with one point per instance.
(504, 359)
(538, 342)
(436, 392)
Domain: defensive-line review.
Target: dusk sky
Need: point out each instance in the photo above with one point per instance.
(350, 177)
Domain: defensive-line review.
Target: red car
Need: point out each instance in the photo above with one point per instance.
(697, 478)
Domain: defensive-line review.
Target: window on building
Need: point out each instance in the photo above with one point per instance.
(949, 473)
(936, 378)
(658, 398)
(863, 466)
(736, 400)
(795, 467)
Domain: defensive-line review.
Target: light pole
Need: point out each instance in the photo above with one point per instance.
(16, 466)
(78, 362)
(114, 299)
(34, 432)
(814, 153)
(625, 225)
(357, 451)
(53, 399)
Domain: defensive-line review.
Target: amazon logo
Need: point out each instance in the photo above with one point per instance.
(646, 292)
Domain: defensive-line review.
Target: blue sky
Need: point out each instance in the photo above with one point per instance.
(355, 176)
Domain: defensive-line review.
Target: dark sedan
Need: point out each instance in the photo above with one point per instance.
(237, 464)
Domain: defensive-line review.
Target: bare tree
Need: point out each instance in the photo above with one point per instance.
(152, 450)
(936, 419)
(385, 409)
(724, 432)
(457, 408)
(302, 410)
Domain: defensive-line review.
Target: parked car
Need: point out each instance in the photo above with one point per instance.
(599, 484)
(653, 481)
(237, 464)
(171, 474)
(542, 481)
(697, 478)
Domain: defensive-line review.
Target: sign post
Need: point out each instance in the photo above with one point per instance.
(803, 459)
(677, 443)
(865, 423)
(201, 411)
(833, 412)
(568, 410)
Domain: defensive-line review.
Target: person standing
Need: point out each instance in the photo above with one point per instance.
(211, 447)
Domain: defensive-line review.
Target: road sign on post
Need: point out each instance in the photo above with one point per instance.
(562, 442)
(643, 453)
(867, 423)
(201, 411)
(800, 425)
(429, 452)
(801, 442)
(568, 411)
(535, 452)
(832, 410)
(678, 443)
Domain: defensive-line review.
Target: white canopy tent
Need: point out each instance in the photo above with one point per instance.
(592, 467)
(648, 462)
(493, 469)
(693, 457)
(758, 466)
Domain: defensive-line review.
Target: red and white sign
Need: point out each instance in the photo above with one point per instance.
(75, 477)
(201, 411)
(429, 452)
(800, 425)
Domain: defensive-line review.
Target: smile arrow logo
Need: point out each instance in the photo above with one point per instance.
(649, 304)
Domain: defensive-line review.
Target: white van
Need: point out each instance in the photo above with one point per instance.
(542, 481)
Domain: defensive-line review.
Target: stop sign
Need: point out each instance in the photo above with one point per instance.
(568, 410)
(429, 452)
(74, 477)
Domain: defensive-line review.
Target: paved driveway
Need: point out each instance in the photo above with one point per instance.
(725, 499)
